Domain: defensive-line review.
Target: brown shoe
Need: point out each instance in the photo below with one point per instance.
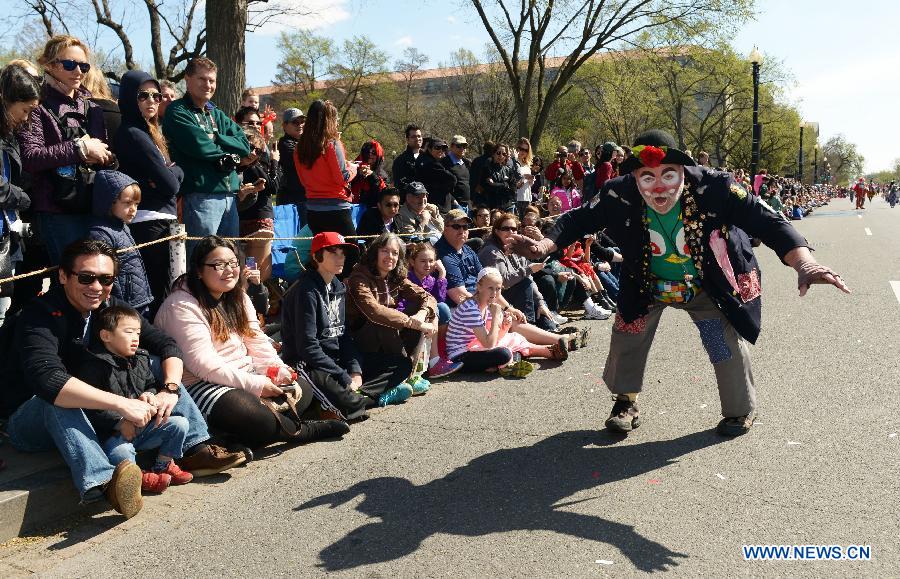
(624, 417)
(559, 350)
(123, 491)
(211, 459)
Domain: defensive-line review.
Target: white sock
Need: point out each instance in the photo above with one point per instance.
(434, 361)
(589, 304)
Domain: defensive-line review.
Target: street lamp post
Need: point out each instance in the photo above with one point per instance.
(755, 60)
(800, 158)
(815, 165)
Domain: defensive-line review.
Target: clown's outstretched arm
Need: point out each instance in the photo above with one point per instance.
(809, 271)
(573, 226)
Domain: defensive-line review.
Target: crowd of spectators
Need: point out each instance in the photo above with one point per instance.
(116, 358)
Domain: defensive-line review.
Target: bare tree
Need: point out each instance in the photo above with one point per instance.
(226, 23)
(537, 29)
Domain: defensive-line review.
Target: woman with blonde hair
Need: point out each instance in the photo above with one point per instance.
(526, 178)
(66, 133)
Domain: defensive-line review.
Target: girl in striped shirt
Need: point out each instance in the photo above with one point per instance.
(480, 344)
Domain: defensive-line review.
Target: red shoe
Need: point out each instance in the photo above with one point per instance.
(152, 482)
(179, 477)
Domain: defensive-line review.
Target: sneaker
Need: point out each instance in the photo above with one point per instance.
(624, 417)
(211, 459)
(735, 426)
(123, 491)
(559, 350)
(559, 319)
(517, 369)
(596, 313)
(444, 368)
(153, 482)
(420, 386)
(396, 395)
(179, 477)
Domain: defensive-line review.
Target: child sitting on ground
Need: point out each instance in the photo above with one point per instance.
(426, 271)
(115, 364)
(481, 336)
(115, 203)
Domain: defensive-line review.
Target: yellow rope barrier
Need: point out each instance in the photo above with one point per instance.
(188, 238)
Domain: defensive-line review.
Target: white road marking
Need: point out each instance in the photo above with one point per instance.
(895, 285)
(868, 231)
(603, 562)
(721, 476)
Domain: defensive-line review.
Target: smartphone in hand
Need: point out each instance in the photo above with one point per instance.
(251, 263)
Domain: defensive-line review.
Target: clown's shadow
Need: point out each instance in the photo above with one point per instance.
(509, 490)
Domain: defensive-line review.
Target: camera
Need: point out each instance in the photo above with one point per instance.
(227, 163)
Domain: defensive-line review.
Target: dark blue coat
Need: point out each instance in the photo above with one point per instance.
(720, 205)
(131, 285)
(137, 154)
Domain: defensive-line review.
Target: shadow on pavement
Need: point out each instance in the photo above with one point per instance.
(508, 490)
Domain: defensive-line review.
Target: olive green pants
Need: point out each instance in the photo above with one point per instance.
(728, 352)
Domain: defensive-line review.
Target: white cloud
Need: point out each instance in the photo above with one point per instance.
(316, 14)
(404, 41)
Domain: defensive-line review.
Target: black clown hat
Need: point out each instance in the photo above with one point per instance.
(654, 148)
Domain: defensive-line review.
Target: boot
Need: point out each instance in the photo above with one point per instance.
(311, 430)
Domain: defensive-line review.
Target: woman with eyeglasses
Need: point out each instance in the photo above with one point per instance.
(19, 93)
(231, 369)
(144, 156)
(498, 181)
(260, 181)
(66, 134)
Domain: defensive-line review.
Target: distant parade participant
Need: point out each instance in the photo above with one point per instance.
(684, 232)
(859, 190)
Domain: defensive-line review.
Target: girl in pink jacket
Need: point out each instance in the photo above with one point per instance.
(230, 365)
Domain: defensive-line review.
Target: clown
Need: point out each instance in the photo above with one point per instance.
(683, 233)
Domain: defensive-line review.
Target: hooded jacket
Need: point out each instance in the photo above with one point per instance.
(12, 198)
(723, 210)
(137, 154)
(131, 285)
(127, 377)
(314, 328)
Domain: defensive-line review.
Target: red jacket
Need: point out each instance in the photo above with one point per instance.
(328, 177)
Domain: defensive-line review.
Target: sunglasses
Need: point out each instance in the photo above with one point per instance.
(105, 279)
(458, 226)
(508, 228)
(150, 94)
(298, 122)
(252, 123)
(69, 65)
(500, 154)
(392, 205)
(524, 149)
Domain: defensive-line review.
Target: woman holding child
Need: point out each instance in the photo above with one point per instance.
(231, 369)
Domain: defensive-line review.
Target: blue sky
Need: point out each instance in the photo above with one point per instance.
(843, 56)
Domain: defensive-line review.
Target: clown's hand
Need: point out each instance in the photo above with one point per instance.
(539, 249)
(810, 272)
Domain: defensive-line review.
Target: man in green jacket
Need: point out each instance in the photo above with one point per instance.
(208, 146)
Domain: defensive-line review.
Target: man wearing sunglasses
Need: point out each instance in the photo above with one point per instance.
(208, 146)
(290, 189)
(44, 401)
(434, 175)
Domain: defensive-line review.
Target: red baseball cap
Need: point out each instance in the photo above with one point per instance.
(330, 239)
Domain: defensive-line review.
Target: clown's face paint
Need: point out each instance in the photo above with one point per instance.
(660, 186)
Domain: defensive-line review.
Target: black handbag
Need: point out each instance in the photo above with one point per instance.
(73, 185)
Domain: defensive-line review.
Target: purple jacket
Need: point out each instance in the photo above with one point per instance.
(43, 149)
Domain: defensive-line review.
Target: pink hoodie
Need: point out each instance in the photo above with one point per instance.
(230, 363)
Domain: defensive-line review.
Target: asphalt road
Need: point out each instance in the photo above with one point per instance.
(515, 478)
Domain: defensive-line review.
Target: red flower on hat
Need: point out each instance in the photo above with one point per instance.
(651, 156)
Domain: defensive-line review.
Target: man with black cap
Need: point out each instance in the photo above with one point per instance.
(436, 178)
(456, 162)
(681, 229)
